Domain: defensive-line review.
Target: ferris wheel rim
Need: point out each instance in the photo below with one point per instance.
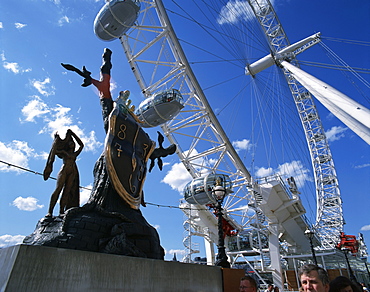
(184, 155)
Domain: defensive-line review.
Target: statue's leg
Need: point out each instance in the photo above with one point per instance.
(67, 193)
(107, 64)
(54, 199)
(104, 84)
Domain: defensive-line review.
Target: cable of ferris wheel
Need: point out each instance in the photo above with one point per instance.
(202, 26)
(344, 64)
(354, 42)
(208, 30)
(220, 59)
(336, 59)
(295, 147)
(294, 144)
(334, 67)
(237, 43)
(264, 139)
(235, 32)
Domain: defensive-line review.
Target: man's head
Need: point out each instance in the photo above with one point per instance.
(247, 284)
(313, 278)
(270, 287)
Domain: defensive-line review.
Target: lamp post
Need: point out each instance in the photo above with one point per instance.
(351, 274)
(219, 193)
(310, 234)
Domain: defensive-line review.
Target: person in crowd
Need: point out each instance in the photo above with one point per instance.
(313, 278)
(248, 284)
(364, 287)
(343, 284)
(270, 287)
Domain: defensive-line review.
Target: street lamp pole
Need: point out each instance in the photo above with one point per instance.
(351, 274)
(221, 260)
(310, 234)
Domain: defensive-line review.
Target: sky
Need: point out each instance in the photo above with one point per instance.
(38, 98)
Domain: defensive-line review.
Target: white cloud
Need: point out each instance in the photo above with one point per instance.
(288, 169)
(295, 169)
(90, 141)
(176, 251)
(63, 20)
(13, 66)
(57, 119)
(17, 153)
(42, 86)
(365, 228)
(263, 172)
(23, 146)
(363, 165)
(34, 109)
(335, 133)
(239, 10)
(330, 116)
(234, 11)
(27, 204)
(1, 25)
(242, 145)
(85, 194)
(177, 177)
(19, 25)
(60, 122)
(10, 240)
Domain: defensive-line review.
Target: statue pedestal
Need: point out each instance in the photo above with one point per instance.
(39, 268)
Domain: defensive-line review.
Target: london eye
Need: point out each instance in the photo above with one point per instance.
(235, 78)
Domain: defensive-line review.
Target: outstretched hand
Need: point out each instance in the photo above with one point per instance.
(160, 152)
(84, 73)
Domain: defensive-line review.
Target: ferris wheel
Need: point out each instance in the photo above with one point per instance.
(159, 63)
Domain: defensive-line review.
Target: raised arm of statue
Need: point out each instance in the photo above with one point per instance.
(78, 140)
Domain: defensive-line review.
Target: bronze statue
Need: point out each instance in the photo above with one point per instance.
(68, 176)
(111, 220)
(127, 147)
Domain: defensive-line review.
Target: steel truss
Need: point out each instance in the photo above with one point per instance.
(329, 214)
(158, 63)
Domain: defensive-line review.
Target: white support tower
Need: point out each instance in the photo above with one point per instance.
(329, 215)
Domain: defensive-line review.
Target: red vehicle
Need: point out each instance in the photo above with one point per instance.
(348, 242)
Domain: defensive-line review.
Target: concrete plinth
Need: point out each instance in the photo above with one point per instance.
(37, 268)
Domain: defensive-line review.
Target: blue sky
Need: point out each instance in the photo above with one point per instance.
(39, 97)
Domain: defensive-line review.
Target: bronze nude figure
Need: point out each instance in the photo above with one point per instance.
(68, 177)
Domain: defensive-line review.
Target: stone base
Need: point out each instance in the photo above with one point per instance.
(89, 229)
(39, 268)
